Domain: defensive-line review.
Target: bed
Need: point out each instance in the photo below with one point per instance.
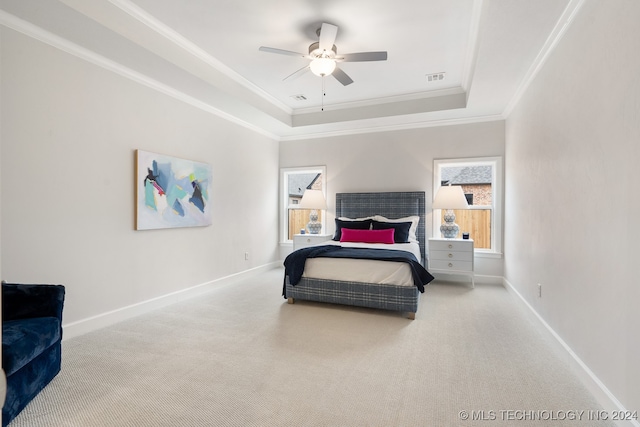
(334, 272)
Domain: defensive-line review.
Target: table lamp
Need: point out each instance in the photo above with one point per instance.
(450, 197)
(314, 200)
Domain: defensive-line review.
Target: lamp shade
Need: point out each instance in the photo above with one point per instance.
(450, 197)
(322, 66)
(313, 199)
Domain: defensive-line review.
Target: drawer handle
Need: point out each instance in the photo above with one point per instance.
(450, 246)
(450, 255)
(450, 265)
(308, 240)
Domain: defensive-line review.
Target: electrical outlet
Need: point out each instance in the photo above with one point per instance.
(539, 290)
(246, 256)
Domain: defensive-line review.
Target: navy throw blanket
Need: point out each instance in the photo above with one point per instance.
(294, 263)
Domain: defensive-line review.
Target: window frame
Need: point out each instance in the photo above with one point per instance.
(496, 199)
(284, 196)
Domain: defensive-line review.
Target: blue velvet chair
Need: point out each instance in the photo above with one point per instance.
(31, 342)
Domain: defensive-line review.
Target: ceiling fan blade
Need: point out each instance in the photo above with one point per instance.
(362, 56)
(328, 35)
(297, 73)
(281, 51)
(341, 76)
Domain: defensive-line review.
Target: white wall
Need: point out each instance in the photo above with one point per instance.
(3, 381)
(69, 131)
(572, 151)
(395, 161)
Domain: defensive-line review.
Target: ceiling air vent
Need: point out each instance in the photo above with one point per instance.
(435, 77)
(299, 97)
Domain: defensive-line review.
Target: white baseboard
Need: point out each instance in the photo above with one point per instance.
(478, 278)
(589, 379)
(489, 280)
(90, 324)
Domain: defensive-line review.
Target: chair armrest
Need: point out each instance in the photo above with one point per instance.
(26, 301)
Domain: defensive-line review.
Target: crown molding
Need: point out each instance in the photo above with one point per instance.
(381, 101)
(473, 44)
(394, 127)
(37, 33)
(182, 42)
(168, 33)
(549, 46)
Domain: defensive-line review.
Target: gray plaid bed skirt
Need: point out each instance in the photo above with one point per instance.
(386, 297)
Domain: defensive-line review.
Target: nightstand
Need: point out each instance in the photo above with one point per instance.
(304, 240)
(452, 256)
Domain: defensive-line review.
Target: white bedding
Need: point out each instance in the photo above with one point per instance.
(363, 270)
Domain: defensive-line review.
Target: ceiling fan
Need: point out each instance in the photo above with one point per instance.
(324, 56)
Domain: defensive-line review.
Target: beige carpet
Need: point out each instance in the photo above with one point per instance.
(241, 356)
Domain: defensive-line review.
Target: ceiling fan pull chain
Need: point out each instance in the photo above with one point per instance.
(323, 94)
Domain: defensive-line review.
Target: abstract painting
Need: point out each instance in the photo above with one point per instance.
(171, 192)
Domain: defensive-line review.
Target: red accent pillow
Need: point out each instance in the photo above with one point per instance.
(367, 236)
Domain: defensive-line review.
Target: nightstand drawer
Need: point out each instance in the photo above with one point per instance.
(450, 256)
(450, 265)
(305, 240)
(450, 245)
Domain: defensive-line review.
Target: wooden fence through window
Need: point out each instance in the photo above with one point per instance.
(476, 222)
(298, 219)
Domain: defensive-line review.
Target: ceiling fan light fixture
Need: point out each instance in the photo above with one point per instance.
(322, 66)
(324, 56)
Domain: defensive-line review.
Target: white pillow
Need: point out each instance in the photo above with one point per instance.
(344, 218)
(412, 230)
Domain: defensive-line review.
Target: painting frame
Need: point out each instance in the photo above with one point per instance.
(171, 192)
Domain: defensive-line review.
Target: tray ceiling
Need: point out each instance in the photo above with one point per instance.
(206, 52)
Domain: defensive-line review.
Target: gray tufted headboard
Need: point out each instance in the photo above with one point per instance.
(390, 204)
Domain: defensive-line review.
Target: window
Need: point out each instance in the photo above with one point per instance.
(481, 181)
(293, 183)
